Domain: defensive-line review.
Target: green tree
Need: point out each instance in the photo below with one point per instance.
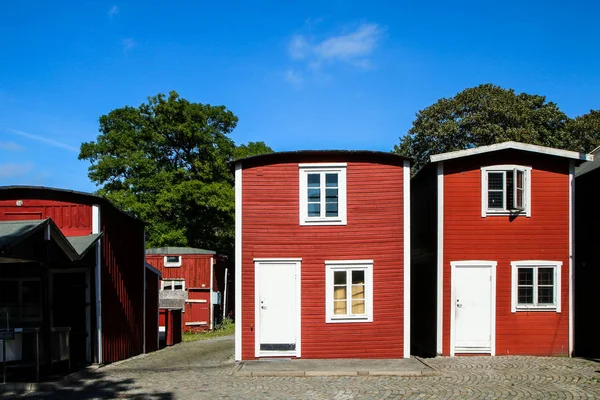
(166, 162)
(489, 114)
(251, 149)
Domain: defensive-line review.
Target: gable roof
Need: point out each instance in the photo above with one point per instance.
(512, 146)
(590, 165)
(14, 232)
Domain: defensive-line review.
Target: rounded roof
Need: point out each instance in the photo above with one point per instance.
(323, 155)
(167, 250)
(44, 192)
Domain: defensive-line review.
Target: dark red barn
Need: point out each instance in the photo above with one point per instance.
(193, 280)
(91, 277)
(493, 251)
(322, 255)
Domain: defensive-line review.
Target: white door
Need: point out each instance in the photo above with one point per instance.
(278, 308)
(473, 297)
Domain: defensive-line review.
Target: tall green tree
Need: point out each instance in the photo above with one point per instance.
(251, 149)
(166, 162)
(489, 114)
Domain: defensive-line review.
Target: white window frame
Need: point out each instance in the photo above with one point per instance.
(162, 284)
(485, 211)
(171, 264)
(515, 265)
(348, 265)
(340, 170)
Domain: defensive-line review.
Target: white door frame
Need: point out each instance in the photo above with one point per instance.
(473, 263)
(297, 263)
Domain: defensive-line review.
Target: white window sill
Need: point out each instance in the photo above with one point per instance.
(349, 319)
(323, 221)
(499, 213)
(536, 308)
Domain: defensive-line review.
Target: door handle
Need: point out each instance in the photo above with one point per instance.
(263, 307)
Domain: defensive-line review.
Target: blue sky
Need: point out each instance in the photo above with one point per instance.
(298, 74)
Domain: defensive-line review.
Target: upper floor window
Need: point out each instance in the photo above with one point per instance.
(173, 284)
(505, 189)
(172, 261)
(323, 194)
(536, 286)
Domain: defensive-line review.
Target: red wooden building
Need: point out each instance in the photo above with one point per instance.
(193, 280)
(492, 251)
(92, 278)
(322, 255)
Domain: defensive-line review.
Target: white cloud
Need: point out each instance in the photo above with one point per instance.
(10, 146)
(293, 77)
(127, 44)
(114, 10)
(354, 48)
(15, 170)
(51, 142)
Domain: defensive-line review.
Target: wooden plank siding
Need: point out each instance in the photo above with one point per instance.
(374, 230)
(195, 269)
(543, 236)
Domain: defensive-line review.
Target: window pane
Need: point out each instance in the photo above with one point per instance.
(495, 180)
(314, 210)
(331, 180)
(168, 286)
(358, 277)
(339, 277)
(496, 200)
(178, 285)
(546, 276)
(519, 200)
(525, 295)
(525, 276)
(314, 180)
(339, 307)
(358, 307)
(546, 295)
(172, 259)
(339, 292)
(358, 292)
(314, 195)
(520, 177)
(510, 189)
(331, 209)
(331, 195)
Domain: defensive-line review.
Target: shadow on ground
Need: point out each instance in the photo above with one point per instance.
(94, 386)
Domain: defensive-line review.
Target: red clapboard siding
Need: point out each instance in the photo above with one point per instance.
(270, 224)
(196, 311)
(543, 236)
(73, 219)
(195, 269)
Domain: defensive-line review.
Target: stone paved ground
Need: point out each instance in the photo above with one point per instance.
(205, 370)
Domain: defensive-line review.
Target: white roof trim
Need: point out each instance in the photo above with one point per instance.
(512, 145)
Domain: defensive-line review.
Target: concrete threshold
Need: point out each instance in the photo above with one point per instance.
(409, 367)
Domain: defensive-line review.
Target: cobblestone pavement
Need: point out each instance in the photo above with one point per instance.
(205, 370)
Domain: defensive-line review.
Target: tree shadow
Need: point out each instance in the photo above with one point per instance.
(93, 386)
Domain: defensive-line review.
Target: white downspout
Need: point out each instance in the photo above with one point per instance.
(96, 229)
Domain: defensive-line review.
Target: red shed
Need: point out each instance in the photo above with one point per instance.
(100, 294)
(322, 255)
(192, 280)
(492, 251)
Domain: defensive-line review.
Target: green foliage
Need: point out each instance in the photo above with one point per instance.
(489, 114)
(225, 328)
(251, 149)
(166, 162)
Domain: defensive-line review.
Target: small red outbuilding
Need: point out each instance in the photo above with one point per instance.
(322, 255)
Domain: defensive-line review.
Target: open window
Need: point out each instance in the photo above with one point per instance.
(505, 190)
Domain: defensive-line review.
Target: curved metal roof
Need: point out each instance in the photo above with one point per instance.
(338, 155)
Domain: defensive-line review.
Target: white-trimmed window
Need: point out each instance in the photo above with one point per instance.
(323, 194)
(172, 261)
(536, 286)
(172, 284)
(505, 190)
(349, 291)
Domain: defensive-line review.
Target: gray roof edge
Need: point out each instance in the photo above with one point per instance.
(174, 250)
